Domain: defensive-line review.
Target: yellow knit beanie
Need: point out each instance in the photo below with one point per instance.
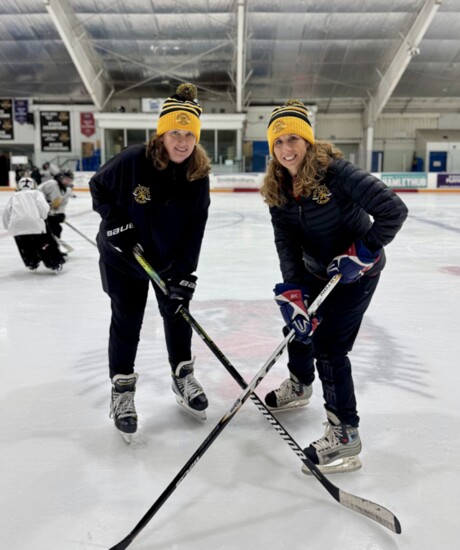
(290, 118)
(181, 112)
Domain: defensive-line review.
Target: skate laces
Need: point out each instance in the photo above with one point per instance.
(287, 390)
(122, 405)
(190, 387)
(331, 438)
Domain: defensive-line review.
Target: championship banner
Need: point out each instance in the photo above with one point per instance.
(87, 124)
(55, 131)
(6, 120)
(21, 110)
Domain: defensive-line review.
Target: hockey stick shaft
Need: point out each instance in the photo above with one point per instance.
(205, 445)
(80, 233)
(365, 507)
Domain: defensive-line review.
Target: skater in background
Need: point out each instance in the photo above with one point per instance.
(57, 192)
(48, 171)
(329, 217)
(24, 218)
(155, 196)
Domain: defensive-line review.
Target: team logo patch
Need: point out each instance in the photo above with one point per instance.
(182, 119)
(321, 194)
(279, 126)
(141, 194)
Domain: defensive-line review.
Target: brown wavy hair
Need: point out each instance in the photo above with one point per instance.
(314, 166)
(199, 164)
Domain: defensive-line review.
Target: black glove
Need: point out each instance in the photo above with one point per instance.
(181, 289)
(121, 236)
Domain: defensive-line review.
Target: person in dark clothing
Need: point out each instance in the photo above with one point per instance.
(329, 217)
(156, 196)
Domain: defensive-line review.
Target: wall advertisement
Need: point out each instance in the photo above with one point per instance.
(405, 180)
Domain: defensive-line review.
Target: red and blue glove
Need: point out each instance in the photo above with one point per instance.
(293, 303)
(353, 263)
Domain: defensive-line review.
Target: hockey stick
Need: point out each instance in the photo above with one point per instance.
(205, 445)
(80, 233)
(363, 506)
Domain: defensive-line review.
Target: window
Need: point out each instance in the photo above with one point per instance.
(114, 143)
(207, 140)
(136, 137)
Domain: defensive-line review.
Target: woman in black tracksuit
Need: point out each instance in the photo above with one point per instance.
(155, 196)
(329, 217)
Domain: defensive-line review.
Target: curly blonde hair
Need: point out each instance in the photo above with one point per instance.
(314, 166)
(199, 164)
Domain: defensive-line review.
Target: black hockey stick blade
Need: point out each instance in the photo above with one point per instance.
(363, 506)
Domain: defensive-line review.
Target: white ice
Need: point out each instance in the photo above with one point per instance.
(69, 482)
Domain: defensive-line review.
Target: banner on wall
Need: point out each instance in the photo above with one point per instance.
(448, 180)
(405, 180)
(6, 120)
(21, 110)
(87, 124)
(55, 131)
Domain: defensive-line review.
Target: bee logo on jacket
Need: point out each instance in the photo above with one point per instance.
(321, 194)
(141, 194)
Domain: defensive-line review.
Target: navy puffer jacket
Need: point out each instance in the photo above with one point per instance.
(348, 204)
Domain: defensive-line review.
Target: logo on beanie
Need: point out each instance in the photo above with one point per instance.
(279, 126)
(183, 119)
(321, 194)
(141, 194)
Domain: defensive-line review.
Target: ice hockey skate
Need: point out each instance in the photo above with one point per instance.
(290, 395)
(122, 408)
(189, 393)
(337, 451)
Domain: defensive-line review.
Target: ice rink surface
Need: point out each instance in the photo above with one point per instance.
(69, 482)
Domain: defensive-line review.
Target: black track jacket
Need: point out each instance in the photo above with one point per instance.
(310, 232)
(169, 213)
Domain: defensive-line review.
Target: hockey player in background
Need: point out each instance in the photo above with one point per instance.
(24, 218)
(157, 196)
(57, 192)
(329, 217)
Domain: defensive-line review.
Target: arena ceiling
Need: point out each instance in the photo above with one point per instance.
(343, 55)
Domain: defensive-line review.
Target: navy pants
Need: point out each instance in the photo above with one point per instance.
(128, 297)
(342, 313)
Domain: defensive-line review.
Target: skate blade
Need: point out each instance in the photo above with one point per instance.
(200, 415)
(132, 440)
(341, 465)
(291, 406)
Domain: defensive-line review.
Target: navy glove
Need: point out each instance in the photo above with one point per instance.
(353, 263)
(293, 303)
(181, 289)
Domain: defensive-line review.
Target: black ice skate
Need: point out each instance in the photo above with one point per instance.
(338, 450)
(122, 408)
(189, 393)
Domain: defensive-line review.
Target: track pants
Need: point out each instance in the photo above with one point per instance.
(342, 313)
(128, 296)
